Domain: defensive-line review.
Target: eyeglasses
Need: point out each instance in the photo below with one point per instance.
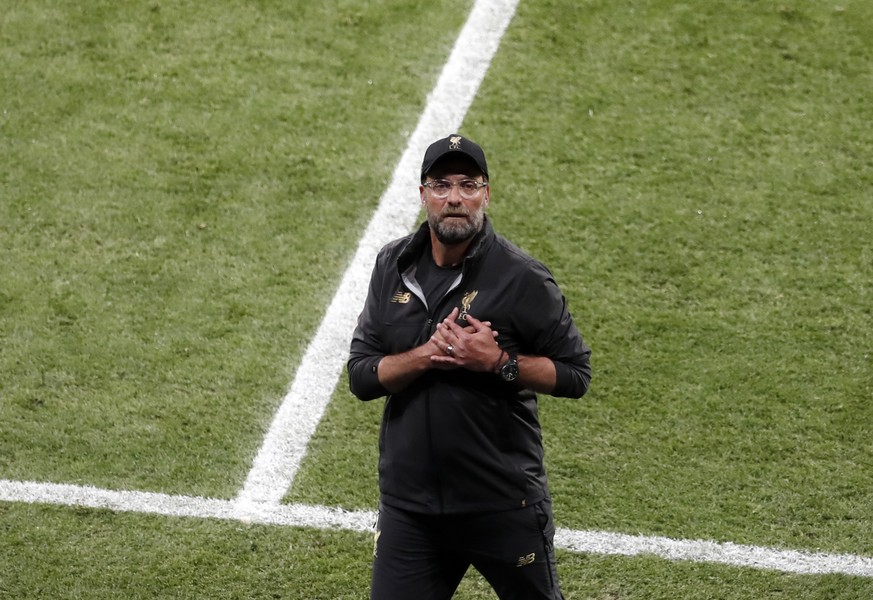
(441, 188)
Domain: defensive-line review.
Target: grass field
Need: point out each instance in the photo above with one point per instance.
(183, 185)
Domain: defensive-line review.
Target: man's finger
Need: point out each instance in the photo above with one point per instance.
(474, 322)
(479, 326)
(449, 324)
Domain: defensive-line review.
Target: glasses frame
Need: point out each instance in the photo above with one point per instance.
(455, 184)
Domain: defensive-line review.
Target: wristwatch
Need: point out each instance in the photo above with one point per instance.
(509, 369)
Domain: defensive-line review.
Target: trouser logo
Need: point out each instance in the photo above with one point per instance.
(523, 561)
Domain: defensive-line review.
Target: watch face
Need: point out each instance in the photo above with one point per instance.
(509, 371)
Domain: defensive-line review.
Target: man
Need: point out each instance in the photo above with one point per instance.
(460, 330)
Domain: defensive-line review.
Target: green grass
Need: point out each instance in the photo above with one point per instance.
(79, 556)
(716, 199)
(182, 185)
(76, 554)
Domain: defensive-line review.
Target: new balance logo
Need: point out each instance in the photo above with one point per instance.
(401, 297)
(524, 561)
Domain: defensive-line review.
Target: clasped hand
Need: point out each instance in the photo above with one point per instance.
(473, 347)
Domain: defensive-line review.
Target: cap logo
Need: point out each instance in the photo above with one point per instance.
(455, 142)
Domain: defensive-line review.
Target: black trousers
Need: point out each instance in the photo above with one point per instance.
(424, 557)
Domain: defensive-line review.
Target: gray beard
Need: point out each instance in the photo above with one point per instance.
(455, 233)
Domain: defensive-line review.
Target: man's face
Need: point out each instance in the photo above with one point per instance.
(455, 219)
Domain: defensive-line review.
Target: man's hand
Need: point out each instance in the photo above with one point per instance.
(473, 347)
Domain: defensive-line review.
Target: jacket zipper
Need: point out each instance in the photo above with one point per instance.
(413, 286)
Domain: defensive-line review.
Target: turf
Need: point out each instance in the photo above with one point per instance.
(182, 185)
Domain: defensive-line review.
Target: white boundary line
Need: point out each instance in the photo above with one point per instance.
(328, 518)
(284, 446)
(296, 515)
(727, 553)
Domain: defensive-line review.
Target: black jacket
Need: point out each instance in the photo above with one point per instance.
(460, 441)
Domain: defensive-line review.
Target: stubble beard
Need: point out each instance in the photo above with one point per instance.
(453, 231)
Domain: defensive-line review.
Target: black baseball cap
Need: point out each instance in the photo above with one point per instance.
(453, 144)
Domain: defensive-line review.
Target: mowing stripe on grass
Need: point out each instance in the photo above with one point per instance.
(275, 466)
(323, 517)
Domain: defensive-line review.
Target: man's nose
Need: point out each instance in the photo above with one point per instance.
(455, 194)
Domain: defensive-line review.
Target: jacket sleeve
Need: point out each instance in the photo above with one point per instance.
(549, 330)
(366, 347)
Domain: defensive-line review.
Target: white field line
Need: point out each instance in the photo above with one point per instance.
(277, 462)
(323, 517)
(285, 444)
(296, 515)
(727, 553)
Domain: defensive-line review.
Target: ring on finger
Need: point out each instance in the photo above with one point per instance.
(450, 349)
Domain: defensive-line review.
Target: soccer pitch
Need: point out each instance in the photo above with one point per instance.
(823, 551)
